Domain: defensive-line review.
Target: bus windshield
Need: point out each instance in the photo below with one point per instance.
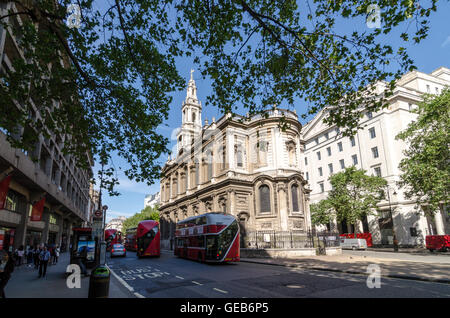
(218, 245)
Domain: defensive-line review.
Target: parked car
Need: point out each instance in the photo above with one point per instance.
(353, 244)
(118, 250)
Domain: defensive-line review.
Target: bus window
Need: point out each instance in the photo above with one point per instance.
(226, 238)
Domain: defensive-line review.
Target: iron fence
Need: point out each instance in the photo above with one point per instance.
(289, 239)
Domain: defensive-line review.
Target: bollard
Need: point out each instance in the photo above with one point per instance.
(99, 282)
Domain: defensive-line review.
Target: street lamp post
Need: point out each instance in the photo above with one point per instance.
(392, 219)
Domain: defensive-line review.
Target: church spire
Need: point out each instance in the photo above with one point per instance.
(191, 95)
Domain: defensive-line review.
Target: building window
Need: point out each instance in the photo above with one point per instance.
(264, 198)
(210, 166)
(377, 171)
(355, 159)
(306, 161)
(330, 167)
(307, 175)
(338, 131)
(261, 152)
(322, 187)
(327, 136)
(238, 155)
(437, 90)
(318, 155)
(369, 115)
(375, 152)
(352, 141)
(291, 147)
(320, 171)
(428, 89)
(294, 193)
(372, 132)
(316, 140)
(340, 146)
(342, 163)
(329, 151)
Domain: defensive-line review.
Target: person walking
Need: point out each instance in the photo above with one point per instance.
(36, 252)
(6, 268)
(20, 254)
(44, 257)
(82, 260)
(56, 254)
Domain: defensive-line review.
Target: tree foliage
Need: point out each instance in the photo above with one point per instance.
(354, 194)
(426, 165)
(148, 213)
(106, 85)
(322, 213)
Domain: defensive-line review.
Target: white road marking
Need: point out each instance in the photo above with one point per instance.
(138, 295)
(179, 277)
(220, 290)
(196, 282)
(124, 283)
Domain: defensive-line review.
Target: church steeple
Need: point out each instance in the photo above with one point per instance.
(191, 110)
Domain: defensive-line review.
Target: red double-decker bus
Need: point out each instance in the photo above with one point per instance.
(210, 237)
(148, 239)
(112, 236)
(130, 239)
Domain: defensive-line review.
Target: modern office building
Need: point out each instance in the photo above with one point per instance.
(54, 175)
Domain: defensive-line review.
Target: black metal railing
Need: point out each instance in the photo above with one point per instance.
(289, 239)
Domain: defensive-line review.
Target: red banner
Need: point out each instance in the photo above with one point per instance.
(4, 187)
(38, 208)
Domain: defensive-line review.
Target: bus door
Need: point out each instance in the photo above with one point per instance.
(211, 247)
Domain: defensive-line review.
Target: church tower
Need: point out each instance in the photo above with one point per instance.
(191, 112)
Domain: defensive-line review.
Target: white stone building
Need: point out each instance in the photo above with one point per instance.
(244, 166)
(116, 224)
(376, 150)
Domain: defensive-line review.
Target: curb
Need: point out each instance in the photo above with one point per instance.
(417, 278)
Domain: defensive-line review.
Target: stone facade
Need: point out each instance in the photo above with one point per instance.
(248, 167)
(376, 150)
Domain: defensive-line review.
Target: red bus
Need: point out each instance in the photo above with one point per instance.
(148, 239)
(112, 236)
(130, 239)
(210, 237)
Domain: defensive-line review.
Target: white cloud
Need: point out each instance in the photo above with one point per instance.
(446, 42)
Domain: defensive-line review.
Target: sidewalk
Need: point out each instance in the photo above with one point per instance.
(24, 283)
(358, 265)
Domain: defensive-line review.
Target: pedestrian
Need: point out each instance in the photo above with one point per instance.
(44, 257)
(20, 255)
(37, 251)
(56, 255)
(82, 260)
(6, 268)
(30, 256)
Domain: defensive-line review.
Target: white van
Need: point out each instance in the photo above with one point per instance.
(353, 244)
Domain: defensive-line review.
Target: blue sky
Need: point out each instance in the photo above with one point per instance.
(430, 54)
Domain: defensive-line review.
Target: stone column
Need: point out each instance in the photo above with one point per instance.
(46, 220)
(439, 222)
(21, 230)
(282, 206)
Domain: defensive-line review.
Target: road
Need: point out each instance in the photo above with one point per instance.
(172, 277)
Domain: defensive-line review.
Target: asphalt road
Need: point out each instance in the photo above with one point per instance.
(172, 277)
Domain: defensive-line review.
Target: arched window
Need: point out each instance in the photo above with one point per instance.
(264, 198)
(294, 194)
(193, 117)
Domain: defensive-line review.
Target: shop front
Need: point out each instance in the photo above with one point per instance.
(7, 238)
(33, 238)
